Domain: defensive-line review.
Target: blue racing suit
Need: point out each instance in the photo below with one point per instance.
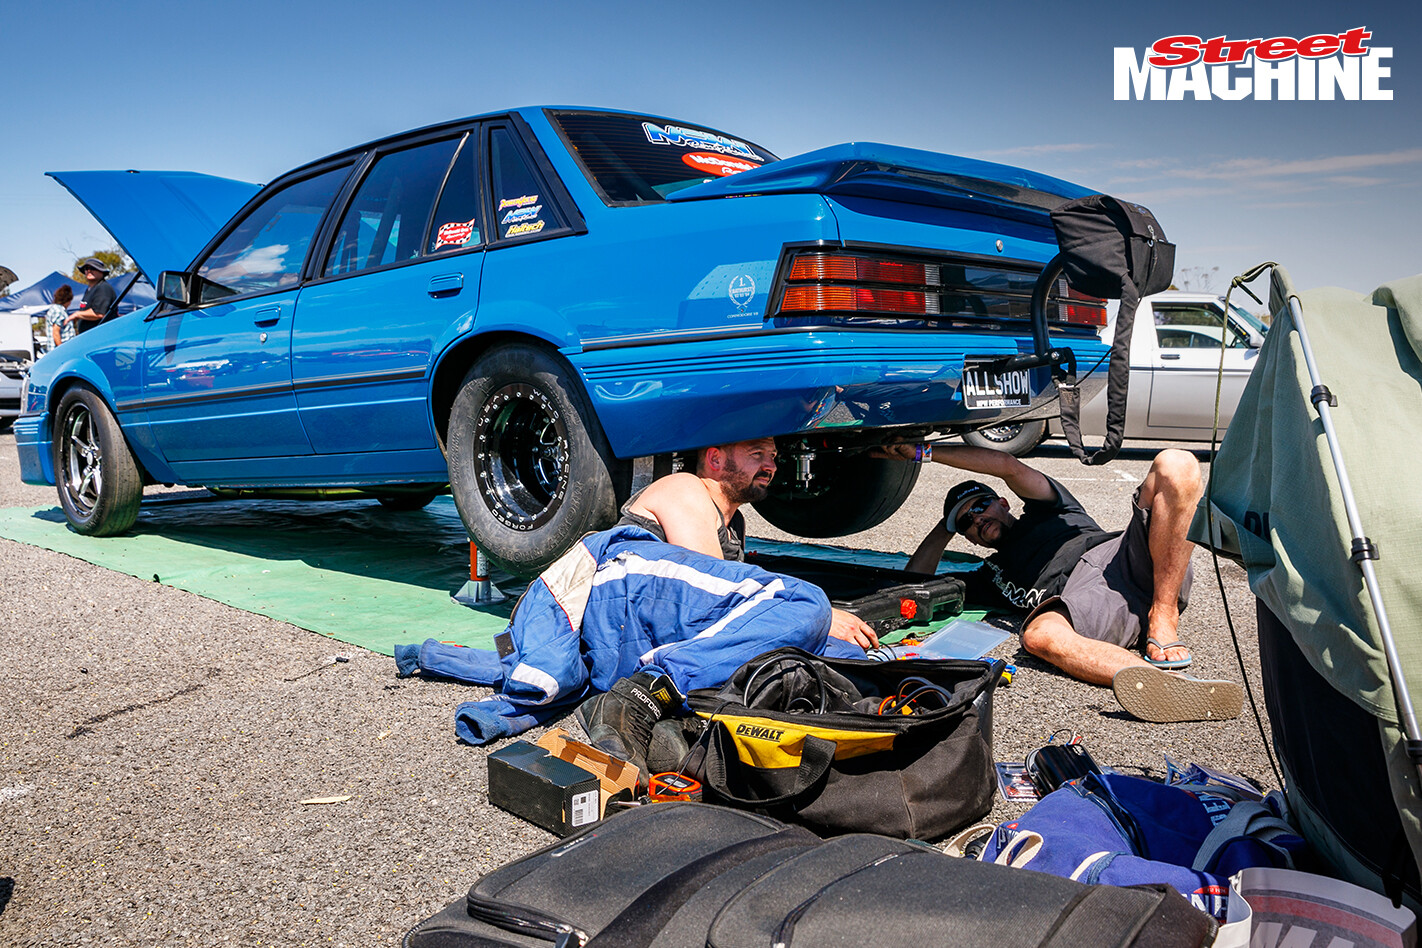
(618, 601)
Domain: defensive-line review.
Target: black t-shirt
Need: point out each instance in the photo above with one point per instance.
(101, 299)
(1038, 554)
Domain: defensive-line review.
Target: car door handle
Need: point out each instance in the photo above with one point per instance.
(267, 316)
(1170, 355)
(446, 284)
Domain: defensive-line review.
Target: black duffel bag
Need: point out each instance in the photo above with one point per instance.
(688, 875)
(803, 738)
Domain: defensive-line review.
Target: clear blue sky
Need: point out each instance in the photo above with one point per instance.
(1330, 189)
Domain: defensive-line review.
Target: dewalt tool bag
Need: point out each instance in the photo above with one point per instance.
(902, 748)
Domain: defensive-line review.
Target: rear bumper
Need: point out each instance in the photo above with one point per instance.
(671, 397)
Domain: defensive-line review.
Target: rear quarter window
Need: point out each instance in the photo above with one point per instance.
(522, 205)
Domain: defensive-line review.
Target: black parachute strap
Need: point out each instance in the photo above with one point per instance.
(1118, 375)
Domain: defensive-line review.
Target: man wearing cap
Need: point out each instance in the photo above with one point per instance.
(1092, 596)
(99, 298)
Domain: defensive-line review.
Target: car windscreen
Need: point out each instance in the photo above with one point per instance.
(636, 159)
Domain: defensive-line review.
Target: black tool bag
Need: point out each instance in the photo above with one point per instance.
(1115, 250)
(623, 881)
(801, 738)
(688, 875)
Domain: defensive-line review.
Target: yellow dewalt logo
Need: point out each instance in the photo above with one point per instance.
(755, 732)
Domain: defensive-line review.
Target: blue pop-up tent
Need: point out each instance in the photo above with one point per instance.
(40, 294)
(37, 296)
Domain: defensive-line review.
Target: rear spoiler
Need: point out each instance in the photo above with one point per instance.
(892, 173)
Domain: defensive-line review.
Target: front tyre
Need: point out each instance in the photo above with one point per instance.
(100, 487)
(847, 495)
(529, 468)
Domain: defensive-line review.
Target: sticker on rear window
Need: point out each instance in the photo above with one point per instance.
(454, 234)
(521, 201)
(696, 138)
(532, 227)
(719, 165)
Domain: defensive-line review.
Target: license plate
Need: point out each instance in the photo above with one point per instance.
(986, 386)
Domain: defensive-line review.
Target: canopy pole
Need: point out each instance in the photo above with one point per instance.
(1364, 552)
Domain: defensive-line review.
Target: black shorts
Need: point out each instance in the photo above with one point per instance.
(1108, 595)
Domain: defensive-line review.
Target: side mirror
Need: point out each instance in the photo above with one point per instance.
(174, 287)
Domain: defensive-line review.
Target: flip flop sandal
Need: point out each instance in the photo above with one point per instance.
(1162, 697)
(1169, 664)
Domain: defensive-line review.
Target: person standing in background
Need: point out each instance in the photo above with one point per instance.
(58, 326)
(99, 298)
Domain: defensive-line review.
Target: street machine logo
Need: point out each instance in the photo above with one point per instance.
(1321, 67)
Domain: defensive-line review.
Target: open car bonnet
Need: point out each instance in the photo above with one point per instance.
(160, 218)
(892, 173)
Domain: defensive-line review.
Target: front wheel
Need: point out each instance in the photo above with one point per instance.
(529, 468)
(847, 495)
(100, 487)
(1017, 439)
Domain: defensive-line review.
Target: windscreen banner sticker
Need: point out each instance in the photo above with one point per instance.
(454, 234)
(697, 138)
(986, 386)
(719, 165)
(522, 201)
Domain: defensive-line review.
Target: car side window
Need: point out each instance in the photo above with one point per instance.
(521, 207)
(266, 250)
(385, 222)
(1194, 327)
(456, 219)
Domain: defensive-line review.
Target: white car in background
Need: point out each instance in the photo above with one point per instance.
(1175, 367)
(17, 352)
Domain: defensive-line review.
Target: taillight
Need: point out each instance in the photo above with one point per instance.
(844, 299)
(836, 282)
(824, 266)
(1083, 310)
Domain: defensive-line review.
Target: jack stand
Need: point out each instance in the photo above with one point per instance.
(478, 591)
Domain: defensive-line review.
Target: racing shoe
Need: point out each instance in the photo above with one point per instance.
(621, 721)
(1163, 697)
(670, 748)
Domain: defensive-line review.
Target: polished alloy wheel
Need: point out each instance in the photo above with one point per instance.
(83, 459)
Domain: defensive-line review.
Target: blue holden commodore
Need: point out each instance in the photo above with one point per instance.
(540, 310)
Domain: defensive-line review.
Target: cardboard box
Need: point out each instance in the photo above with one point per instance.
(545, 790)
(615, 776)
(559, 784)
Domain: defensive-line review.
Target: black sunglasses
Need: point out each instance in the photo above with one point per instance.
(965, 519)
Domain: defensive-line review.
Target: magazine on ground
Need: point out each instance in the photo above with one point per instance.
(1269, 907)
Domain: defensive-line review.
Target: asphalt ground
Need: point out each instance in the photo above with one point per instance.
(156, 747)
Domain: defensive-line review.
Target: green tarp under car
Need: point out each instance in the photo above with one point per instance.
(1274, 504)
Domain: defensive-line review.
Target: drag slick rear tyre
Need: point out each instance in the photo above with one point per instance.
(847, 495)
(100, 487)
(529, 468)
